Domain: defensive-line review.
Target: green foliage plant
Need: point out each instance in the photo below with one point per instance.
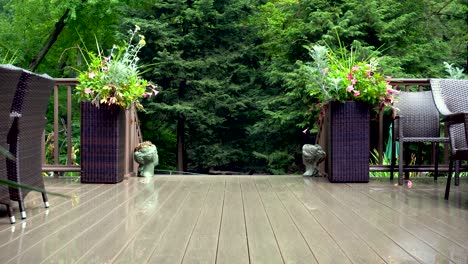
(340, 76)
(454, 72)
(114, 79)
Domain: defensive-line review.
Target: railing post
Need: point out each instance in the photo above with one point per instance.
(69, 125)
(56, 125)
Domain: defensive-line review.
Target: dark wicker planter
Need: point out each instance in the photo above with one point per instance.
(348, 142)
(102, 143)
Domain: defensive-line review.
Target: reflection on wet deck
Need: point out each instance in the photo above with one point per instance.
(240, 219)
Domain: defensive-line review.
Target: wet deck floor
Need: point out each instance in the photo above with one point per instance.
(240, 219)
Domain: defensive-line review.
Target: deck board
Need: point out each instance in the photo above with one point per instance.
(321, 243)
(179, 231)
(54, 222)
(413, 207)
(262, 241)
(69, 228)
(232, 246)
(240, 219)
(372, 212)
(142, 245)
(203, 242)
(291, 242)
(353, 245)
(380, 242)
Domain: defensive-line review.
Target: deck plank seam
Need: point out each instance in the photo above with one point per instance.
(269, 222)
(245, 220)
(196, 222)
(220, 222)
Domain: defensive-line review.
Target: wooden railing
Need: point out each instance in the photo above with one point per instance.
(134, 134)
(63, 122)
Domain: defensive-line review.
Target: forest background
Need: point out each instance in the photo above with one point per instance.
(232, 96)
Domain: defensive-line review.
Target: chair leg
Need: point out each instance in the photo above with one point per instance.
(10, 214)
(449, 179)
(22, 211)
(393, 160)
(400, 164)
(457, 172)
(46, 201)
(436, 163)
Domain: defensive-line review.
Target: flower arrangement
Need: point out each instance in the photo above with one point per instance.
(115, 79)
(339, 76)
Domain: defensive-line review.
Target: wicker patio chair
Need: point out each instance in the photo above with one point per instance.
(416, 120)
(28, 110)
(9, 77)
(451, 99)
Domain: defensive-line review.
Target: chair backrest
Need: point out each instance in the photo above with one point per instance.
(418, 115)
(30, 105)
(451, 97)
(9, 77)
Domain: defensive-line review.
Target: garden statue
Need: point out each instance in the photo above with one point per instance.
(146, 155)
(312, 155)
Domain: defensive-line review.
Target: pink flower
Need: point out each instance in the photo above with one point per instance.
(357, 93)
(305, 130)
(87, 91)
(91, 75)
(355, 67)
(368, 73)
(353, 81)
(350, 88)
(105, 69)
(350, 76)
(392, 91)
(145, 95)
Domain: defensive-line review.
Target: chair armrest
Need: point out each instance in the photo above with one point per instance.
(456, 118)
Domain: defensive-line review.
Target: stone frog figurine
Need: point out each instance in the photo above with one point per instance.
(312, 155)
(146, 155)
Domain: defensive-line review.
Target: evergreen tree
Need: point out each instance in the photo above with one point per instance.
(200, 52)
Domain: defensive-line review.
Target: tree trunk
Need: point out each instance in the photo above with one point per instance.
(58, 27)
(181, 164)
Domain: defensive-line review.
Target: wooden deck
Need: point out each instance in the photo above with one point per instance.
(240, 219)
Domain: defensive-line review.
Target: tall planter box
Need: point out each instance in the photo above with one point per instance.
(348, 142)
(102, 143)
